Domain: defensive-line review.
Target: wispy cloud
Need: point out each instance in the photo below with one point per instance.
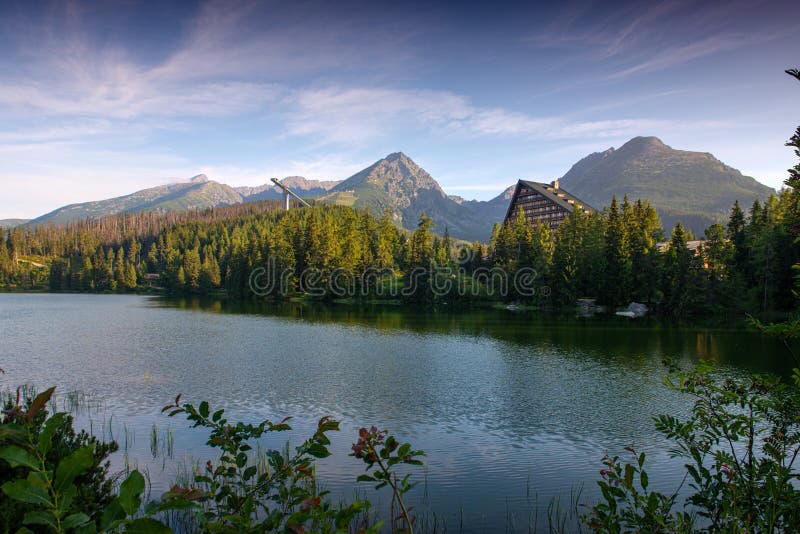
(678, 55)
(633, 38)
(248, 90)
(353, 115)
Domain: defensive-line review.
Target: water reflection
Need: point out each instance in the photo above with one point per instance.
(507, 405)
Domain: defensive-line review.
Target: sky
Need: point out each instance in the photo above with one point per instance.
(100, 99)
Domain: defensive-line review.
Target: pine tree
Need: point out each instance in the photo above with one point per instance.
(717, 253)
(210, 277)
(191, 268)
(422, 243)
(86, 274)
(180, 278)
(119, 269)
(388, 240)
(566, 254)
(130, 275)
(153, 258)
(614, 289)
(680, 281)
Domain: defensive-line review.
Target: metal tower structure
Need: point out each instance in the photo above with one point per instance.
(288, 193)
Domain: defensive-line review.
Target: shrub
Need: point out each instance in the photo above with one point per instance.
(740, 443)
(235, 494)
(55, 480)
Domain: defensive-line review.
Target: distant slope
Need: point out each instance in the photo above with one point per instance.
(489, 211)
(302, 186)
(693, 187)
(199, 192)
(407, 190)
(11, 223)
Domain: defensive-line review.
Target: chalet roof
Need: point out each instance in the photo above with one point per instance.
(558, 196)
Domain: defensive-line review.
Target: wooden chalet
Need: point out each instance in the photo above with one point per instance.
(543, 204)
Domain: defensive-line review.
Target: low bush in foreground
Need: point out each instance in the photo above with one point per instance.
(740, 443)
(54, 480)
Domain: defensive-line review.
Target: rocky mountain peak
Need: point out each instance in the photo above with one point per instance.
(644, 144)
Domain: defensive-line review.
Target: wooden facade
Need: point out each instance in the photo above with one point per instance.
(543, 204)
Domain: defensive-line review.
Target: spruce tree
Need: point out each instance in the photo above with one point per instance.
(614, 290)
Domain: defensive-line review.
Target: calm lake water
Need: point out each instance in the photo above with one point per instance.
(512, 409)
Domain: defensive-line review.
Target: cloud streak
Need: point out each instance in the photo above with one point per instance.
(353, 115)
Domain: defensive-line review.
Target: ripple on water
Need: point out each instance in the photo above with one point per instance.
(512, 410)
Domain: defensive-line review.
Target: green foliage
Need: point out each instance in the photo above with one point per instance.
(56, 481)
(629, 504)
(740, 444)
(381, 452)
(611, 256)
(233, 494)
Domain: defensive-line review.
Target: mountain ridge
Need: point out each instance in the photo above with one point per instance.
(644, 167)
(693, 187)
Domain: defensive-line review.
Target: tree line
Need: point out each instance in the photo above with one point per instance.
(620, 255)
(616, 256)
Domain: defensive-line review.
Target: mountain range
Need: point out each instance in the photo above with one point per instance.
(11, 223)
(693, 187)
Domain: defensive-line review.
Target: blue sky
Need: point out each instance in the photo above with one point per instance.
(100, 99)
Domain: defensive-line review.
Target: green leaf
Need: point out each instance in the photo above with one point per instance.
(75, 521)
(39, 403)
(147, 525)
(364, 478)
(318, 450)
(130, 492)
(73, 466)
(48, 429)
(154, 507)
(65, 501)
(204, 409)
(10, 431)
(39, 517)
(17, 456)
(404, 449)
(644, 479)
(112, 515)
(250, 472)
(28, 490)
(628, 475)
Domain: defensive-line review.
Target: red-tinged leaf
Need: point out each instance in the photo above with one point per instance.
(309, 504)
(178, 399)
(39, 403)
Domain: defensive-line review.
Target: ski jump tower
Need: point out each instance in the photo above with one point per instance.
(287, 194)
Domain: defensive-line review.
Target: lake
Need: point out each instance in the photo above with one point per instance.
(514, 410)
